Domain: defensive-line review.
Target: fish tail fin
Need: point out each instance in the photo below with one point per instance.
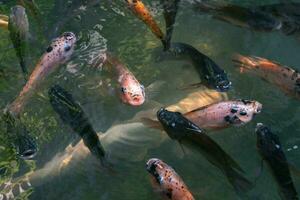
(205, 6)
(240, 184)
(245, 62)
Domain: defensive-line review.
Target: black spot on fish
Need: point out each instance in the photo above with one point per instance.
(234, 110)
(243, 113)
(123, 90)
(231, 119)
(246, 101)
(49, 49)
(169, 193)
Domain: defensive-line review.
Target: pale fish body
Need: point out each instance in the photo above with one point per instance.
(130, 90)
(223, 114)
(166, 180)
(57, 53)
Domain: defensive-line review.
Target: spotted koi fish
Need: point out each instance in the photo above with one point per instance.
(131, 91)
(168, 181)
(285, 78)
(141, 11)
(224, 114)
(57, 53)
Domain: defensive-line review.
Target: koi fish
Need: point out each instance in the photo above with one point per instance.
(224, 114)
(131, 91)
(170, 11)
(18, 27)
(285, 78)
(250, 18)
(56, 54)
(71, 113)
(210, 73)
(167, 181)
(270, 149)
(141, 11)
(190, 135)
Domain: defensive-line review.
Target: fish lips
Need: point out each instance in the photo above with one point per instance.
(151, 168)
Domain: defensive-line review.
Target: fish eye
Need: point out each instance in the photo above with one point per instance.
(49, 49)
(123, 89)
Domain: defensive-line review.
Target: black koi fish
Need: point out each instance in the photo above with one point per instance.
(187, 133)
(71, 113)
(269, 147)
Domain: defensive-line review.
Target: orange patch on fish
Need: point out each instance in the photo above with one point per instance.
(140, 10)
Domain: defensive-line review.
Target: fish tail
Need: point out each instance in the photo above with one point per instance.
(205, 6)
(240, 184)
(246, 62)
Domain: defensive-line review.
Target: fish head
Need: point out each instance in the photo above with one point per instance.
(61, 48)
(132, 92)
(267, 142)
(221, 82)
(175, 124)
(245, 110)
(156, 168)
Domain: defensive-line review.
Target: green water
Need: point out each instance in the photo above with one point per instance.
(112, 26)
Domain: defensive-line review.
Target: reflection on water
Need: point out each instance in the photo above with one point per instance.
(64, 168)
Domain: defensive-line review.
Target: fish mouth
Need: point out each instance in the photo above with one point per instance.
(161, 114)
(259, 126)
(151, 168)
(136, 100)
(223, 86)
(69, 36)
(258, 108)
(28, 154)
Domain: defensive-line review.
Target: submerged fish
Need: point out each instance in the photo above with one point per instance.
(59, 51)
(189, 134)
(18, 135)
(218, 115)
(170, 11)
(251, 18)
(210, 73)
(167, 181)
(270, 149)
(18, 27)
(141, 11)
(131, 91)
(71, 113)
(285, 78)
(224, 114)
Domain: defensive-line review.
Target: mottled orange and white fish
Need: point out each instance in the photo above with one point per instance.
(131, 91)
(165, 179)
(217, 116)
(141, 11)
(57, 53)
(285, 78)
(224, 114)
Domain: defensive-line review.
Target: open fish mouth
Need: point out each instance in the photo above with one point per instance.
(151, 168)
(223, 86)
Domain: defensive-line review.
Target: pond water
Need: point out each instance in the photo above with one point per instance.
(109, 25)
